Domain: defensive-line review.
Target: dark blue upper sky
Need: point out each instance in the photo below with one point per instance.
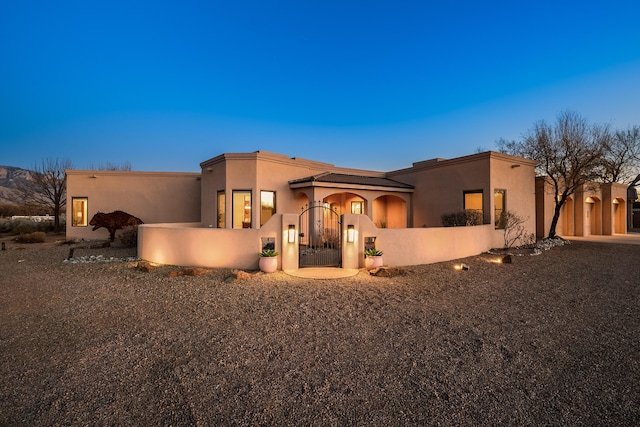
(373, 85)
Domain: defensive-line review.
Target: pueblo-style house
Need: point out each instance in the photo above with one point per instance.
(312, 213)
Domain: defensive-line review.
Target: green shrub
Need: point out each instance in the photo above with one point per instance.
(23, 226)
(35, 237)
(463, 218)
(5, 225)
(268, 253)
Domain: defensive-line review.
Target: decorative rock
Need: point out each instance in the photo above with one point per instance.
(243, 275)
(190, 271)
(145, 266)
(387, 272)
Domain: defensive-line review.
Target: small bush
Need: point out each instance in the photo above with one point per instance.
(35, 237)
(129, 237)
(515, 230)
(463, 218)
(23, 226)
(5, 225)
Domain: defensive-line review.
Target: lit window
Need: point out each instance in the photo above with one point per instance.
(267, 205)
(79, 211)
(241, 209)
(357, 208)
(499, 202)
(473, 200)
(221, 209)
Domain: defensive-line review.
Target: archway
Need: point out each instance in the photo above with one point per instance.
(619, 216)
(593, 220)
(567, 225)
(389, 212)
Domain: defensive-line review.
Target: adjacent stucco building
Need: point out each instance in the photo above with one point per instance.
(593, 209)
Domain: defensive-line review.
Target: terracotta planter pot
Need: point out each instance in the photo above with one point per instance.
(372, 262)
(268, 264)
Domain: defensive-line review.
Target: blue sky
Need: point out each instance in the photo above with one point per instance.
(375, 85)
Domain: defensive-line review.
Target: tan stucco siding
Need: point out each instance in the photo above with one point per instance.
(594, 209)
(440, 187)
(152, 197)
(518, 180)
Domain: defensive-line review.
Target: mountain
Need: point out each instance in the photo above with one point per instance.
(10, 178)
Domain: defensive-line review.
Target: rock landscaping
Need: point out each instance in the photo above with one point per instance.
(551, 339)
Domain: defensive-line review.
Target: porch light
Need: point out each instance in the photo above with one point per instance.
(292, 233)
(351, 234)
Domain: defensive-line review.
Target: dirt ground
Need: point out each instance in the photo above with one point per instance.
(552, 339)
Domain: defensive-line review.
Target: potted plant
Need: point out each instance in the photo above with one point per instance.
(372, 258)
(268, 260)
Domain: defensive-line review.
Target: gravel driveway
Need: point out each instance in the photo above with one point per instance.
(552, 339)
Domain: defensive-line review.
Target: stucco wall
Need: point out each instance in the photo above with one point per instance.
(152, 197)
(414, 246)
(191, 244)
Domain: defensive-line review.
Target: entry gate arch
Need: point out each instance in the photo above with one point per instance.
(320, 238)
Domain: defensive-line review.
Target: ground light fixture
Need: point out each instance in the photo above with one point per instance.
(351, 233)
(292, 233)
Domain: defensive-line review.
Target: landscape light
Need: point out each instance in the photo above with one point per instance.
(292, 233)
(351, 234)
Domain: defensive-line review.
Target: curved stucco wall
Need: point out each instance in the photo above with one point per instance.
(191, 244)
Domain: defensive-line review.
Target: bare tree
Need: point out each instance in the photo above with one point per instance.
(621, 160)
(48, 186)
(515, 230)
(569, 154)
(124, 166)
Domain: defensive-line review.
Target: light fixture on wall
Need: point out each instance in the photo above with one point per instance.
(351, 233)
(292, 233)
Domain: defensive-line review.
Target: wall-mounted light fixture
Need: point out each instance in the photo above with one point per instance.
(351, 234)
(93, 176)
(292, 233)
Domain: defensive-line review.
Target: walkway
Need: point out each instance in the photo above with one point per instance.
(323, 272)
(629, 239)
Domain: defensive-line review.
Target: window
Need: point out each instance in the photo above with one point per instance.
(222, 200)
(241, 209)
(357, 208)
(499, 205)
(267, 205)
(79, 211)
(473, 200)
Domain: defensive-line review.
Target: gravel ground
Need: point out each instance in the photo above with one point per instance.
(552, 339)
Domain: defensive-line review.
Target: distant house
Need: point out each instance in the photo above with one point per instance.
(239, 202)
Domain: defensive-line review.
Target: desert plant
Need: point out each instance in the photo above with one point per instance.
(35, 237)
(514, 229)
(268, 253)
(372, 252)
(467, 217)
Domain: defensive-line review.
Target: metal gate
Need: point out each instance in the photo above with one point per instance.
(320, 236)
